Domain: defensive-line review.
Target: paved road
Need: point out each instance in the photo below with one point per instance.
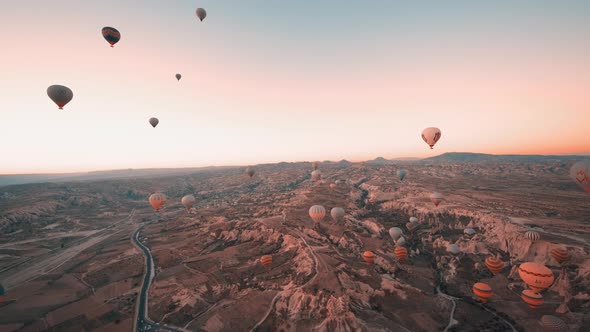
(142, 322)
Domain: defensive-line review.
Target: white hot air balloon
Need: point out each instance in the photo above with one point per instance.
(188, 201)
(431, 135)
(469, 231)
(533, 236)
(453, 249)
(400, 242)
(337, 213)
(317, 213)
(413, 220)
(395, 233)
(436, 198)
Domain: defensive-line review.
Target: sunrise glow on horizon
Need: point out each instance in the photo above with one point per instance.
(266, 82)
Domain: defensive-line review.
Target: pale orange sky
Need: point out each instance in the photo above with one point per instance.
(274, 88)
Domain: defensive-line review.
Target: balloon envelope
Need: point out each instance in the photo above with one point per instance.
(580, 173)
(401, 173)
(436, 198)
(178, 77)
(188, 201)
(553, 324)
(201, 14)
(535, 275)
(154, 122)
(250, 172)
(337, 213)
(395, 233)
(111, 35)
(157, 200)
(61, 95)
(316, 175)
(431, 135)
(317, 213)
(453, 249)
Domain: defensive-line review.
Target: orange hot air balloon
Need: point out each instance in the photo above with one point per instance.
(401, 254)
(560, 255)
(317, 213)
(157, 200)
(536, 276)
(553, 324)
(532, 298)
(369, 257)
(266, 260)
(494, 264)
(482, 291)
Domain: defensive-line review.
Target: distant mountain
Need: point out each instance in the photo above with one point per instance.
(6, 180)
(482, 157)
(380, 161)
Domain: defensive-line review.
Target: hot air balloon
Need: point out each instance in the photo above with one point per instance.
(316, 175)
(453, 249)
(332, 186)
(188, 201)
(111, 35)
(401, 241)
(250, 172)
(414, 220)
(536, 276)
(436, 198)
(469, 231)
(482, 291)
(533, 236)
(431, 135)
(395, 233)
(531, 298)
(314, 165)
(317, 213)
(400, 253)
(61, 95)
(157, 200)
(411, 226)
(560, 255)
(369, 257)
(2, 293)
(266, 261)
(178, 77)
(580, 172)
(337, 213)
(553, 324)
(154, 122)
(494, 264)
(401, 173)
(201, 14)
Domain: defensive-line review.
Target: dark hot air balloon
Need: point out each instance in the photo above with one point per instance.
(201, 14)
(111, 35)
(61, 95)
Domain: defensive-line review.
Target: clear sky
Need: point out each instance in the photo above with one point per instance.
(271, 81)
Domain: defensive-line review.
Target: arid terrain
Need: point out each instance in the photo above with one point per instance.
(68, 261)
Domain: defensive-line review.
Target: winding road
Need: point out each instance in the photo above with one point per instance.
(142, 321)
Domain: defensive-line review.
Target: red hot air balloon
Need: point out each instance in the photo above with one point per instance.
(401, 254)
(494, 264)
(111, 35)
(533, 299)
(266, 261)
(560, 255)
(369, 257)
(536, 276)
(482, 291)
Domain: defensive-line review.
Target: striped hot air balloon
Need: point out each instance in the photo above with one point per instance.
(369, 257)
(401, 253)
(553, 324)
(536, 276)
(157, 200)
(482, 291)
(533, 236)
(111, 35)
(266, 261)
(494, 264)
(317, 213)
(533, 299)
(560, 255)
